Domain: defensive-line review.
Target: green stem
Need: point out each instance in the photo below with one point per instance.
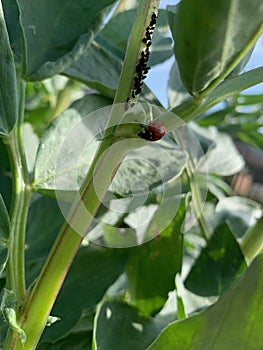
(33, 316)
(197, 203)
(20, 205)
(252, 242)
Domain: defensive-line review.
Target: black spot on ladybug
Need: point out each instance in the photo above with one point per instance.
(154, 131)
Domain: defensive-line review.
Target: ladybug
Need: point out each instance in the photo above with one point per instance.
(154, 131)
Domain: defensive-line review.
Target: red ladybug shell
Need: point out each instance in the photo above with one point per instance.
(154, 131)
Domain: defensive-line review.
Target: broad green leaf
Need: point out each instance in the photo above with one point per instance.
(177, 93)
(98, 68)
(152, 267)
(6, 188)
(73, 127)
(119, 326)
(8, 92)
(77, 341)
(62, 32)
(211, 38)
(161, 50)
(240, 213)
(222, 159)
(11, 12)
(39, 238)
(133, 220)
(4, 221)
(220, 263)
(147, 167)
(118, 29)
(4, 234)
(31, 142)
(116, 237)
(234, 322)
(3, 331)
(183, 303)
(93, 271)
(4, 159)
(43, 224)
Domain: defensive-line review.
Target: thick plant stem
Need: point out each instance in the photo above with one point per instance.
(33, 315)
(20, 204)
(252, 242)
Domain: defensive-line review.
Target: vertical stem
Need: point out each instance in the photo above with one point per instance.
(197, 204)
(195, 190)
(252, 242)
(135, 45)
(33, 315)
(20, 205)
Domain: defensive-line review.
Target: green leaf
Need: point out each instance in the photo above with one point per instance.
(93, 271)
(148, 167)
(76, 341)
(118, 29)
(11, 12)
(222, 159)
(39, 238)
(239, 212)
(220, 263)
(152, 267)
(6, 188)
(119, 326)
(98, 68)
(232, 86)
(4, 234)
(177, 93)
(8, 92)
(71, 125)
(8, 305)
(3, 331)
(62, 32)
(234, 322)
(211, 38)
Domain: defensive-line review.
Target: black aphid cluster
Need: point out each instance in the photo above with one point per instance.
(142, 69)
